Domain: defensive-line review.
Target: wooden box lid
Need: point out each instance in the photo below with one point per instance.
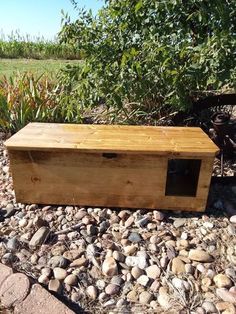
(164, 141)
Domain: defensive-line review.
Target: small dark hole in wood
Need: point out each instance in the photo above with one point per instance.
(182, 177)
(109, 155)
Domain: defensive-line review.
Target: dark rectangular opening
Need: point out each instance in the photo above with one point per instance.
(182, 177)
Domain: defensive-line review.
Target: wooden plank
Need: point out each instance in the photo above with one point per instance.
(74, 178)
(163, 141)
(77, 179)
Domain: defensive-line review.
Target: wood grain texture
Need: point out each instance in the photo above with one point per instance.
(162, 141)
(74, 178)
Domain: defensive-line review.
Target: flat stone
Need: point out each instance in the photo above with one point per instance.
(117, 280)
(58, 261)
(226, 295)
(200, 256)
(112, 289)
(71, 280)
(155, 286)
(134, 237)
(132, 296)
(59, 273)
(179, 222)
(72, 255)
(153, 272)
(139, 261)
(118, 256)
(233, 219)
(5, 272)
(92, 292)
(158, 215)
(178, 266)
(228, 307)
(143, 221)
(129, 222)
(43, 279)
(209, 307)
(136, 272)
(13, 244)
(222, 281)
(55, 285)
(39, 237)
(143, 280)
(109, 267)
(40, 301)
(82, 261)
(164, 299)
(14, 289)
(130, 249)
(145, 297)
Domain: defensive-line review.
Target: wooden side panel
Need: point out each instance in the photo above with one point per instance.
(73, 178)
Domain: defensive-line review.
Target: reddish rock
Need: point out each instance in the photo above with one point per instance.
(14, 290)
(40, 301)
(5, 272)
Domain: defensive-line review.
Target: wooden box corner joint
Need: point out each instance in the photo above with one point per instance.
(112, 166)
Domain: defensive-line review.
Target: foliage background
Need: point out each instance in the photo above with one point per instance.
(141, 56)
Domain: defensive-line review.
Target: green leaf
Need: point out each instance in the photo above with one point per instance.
(138, 6)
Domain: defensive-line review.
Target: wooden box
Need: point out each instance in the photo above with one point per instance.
(112, 165)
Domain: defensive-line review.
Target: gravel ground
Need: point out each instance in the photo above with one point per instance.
(121, 261)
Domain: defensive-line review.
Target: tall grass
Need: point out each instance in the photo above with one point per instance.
(18, 46)
(27, 98)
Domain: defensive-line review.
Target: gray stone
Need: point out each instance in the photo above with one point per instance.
(143, 221)
(58, 261)
(13, 244)
(116, 280)
(134, 237)
(8, 211)
(8, 258)
(39, 237)
(179, 222)
(92, 230)
(104, 225)
(92, 251)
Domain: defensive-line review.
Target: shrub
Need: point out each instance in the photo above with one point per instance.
(24, 99)
(149, 54)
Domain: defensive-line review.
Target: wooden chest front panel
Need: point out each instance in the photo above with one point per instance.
(88, 178)
(96, 179)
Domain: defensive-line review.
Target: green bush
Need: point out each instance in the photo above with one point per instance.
(151, 54)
